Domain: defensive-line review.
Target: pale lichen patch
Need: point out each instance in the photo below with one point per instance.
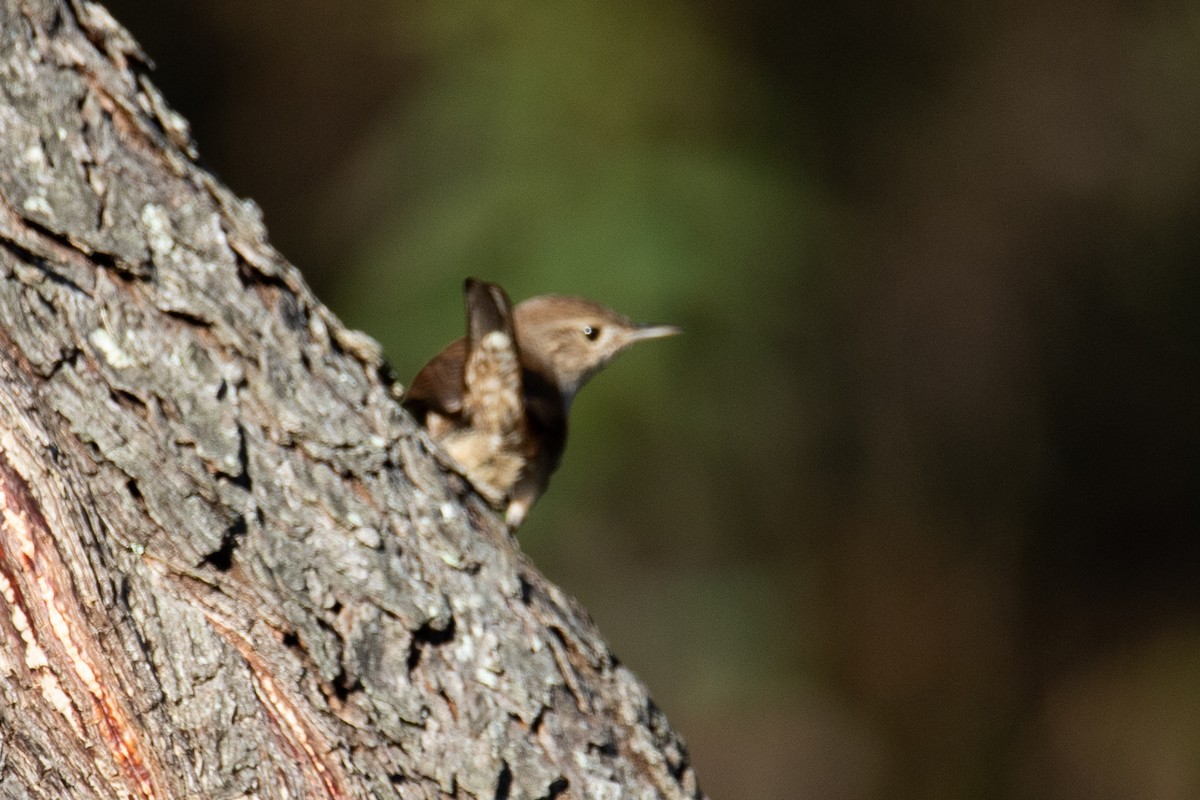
(39, 205)
(160, 234)
(112, 352)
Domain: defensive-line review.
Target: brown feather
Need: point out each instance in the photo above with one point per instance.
(438, 387)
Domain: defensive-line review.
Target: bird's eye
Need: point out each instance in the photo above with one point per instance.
(590, 332)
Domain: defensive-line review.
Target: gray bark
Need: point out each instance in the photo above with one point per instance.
(230, 565)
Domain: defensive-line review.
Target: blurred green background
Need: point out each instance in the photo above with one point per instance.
(911, 511)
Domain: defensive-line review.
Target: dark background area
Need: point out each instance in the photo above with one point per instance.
(911, 509)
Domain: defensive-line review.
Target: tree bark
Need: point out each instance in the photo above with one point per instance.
(231, 566)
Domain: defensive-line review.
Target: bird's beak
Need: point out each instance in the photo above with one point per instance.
(643, 332)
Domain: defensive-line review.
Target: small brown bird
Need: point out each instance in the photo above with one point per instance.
(497, 400)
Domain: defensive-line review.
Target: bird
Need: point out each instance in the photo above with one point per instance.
(497, 400)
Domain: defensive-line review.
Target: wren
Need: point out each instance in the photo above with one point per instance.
(497, 400)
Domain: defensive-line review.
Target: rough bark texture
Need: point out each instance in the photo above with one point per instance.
(230, 565)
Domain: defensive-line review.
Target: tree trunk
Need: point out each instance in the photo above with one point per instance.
(231, 566)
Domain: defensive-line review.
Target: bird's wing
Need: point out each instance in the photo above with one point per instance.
(438, 386)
